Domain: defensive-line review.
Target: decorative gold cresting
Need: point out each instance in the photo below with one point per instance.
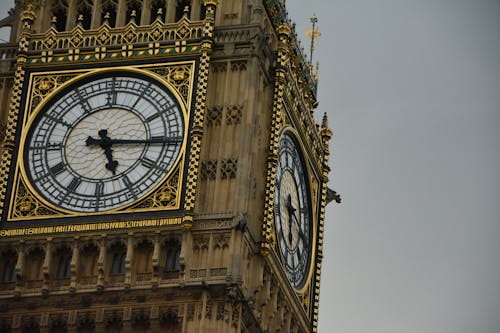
(199, 114)
(277, 119)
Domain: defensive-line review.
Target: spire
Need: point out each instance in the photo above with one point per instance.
(132, 16)
(80, 20)
(326, 132)
(313, 34)
(159, 14)
(106, 18)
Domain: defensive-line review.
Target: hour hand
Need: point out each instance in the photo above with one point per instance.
(159, 139)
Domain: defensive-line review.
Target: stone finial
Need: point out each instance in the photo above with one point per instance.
(326, 132)
(80, 20)
(53, 22)
(28, 16)
(106, 18)
(186, 11)
(133, 15)
(159, 14)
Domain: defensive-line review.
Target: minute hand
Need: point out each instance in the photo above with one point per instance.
(171, 139)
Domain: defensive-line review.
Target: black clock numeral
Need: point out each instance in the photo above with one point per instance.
(129, 186)
(54, 146)
(99, 189)
(73, 185)
(153, 117)
(57, 169)
(148, 163)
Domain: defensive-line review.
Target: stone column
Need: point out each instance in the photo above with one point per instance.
(146, 12)
(74, 264)
(195, 10)
(101, 262)
(71, 15)
(129, 259)
(171, 5)
(46, 268)
(96, 14)
(121, 13)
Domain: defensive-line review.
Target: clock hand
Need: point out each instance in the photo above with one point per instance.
(173, 139)
(105, 142)
(291, 213)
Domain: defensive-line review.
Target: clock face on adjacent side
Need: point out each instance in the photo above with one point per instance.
(292, 207)
(104, 142)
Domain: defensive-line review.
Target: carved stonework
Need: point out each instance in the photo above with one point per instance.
(233, 114)
(209, 170)
(214, 116)
(228, 168)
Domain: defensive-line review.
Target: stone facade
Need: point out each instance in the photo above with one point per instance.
(211, 265)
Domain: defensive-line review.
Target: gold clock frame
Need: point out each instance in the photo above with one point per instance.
(42, 86)
(313, 191)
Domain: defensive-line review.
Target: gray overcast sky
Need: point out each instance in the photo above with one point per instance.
(412, 90)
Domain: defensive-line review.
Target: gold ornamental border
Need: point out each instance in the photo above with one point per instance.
(313, 196)
(89, 227)
(79, 74)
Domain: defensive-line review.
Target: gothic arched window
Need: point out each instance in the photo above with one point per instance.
(64, 267)
(85, 10)
(172, 253)
(134, 6)
(60, 12)
(109, 12)
(33, 264)
(9, 261)
(118, 253)
(203, 13)
(155, 6)
(181, 5)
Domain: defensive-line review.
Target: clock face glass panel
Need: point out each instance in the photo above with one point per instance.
(104, 142)
(292, 212)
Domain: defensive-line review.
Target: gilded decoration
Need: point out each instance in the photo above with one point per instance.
(27, 203)
(167, 196)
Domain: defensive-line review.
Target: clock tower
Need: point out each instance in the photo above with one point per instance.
(161, 169)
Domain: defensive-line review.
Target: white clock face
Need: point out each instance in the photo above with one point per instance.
(292, 212)
(104, 142)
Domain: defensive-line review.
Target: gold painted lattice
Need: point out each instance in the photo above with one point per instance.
(166, 196)
(28, 205)
(178, 77)
(43, 85)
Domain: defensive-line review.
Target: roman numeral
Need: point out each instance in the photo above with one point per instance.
(83, 102)
(73, 185)
(99, 189)
(57, 169)
(128, 184)
(148, 163)
(152, 117)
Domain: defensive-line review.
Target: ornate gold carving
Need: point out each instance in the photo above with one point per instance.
(153, 223)
(166, 196)
(178, 76)
(27, 205)
(43, 86)
(277, 118)
(105, 35)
